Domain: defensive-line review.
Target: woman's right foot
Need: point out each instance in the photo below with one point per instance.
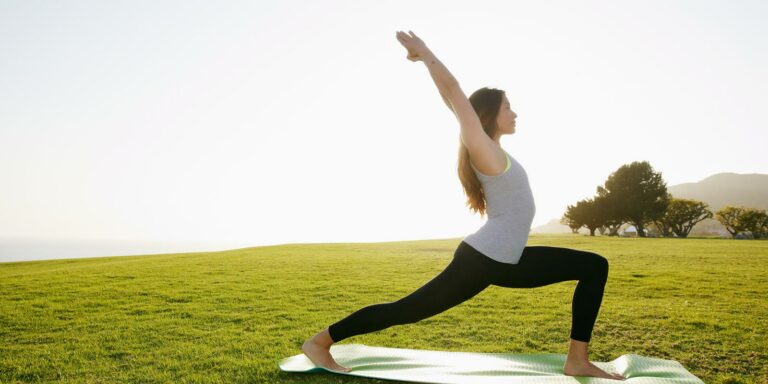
(321, 356)
(586, 368)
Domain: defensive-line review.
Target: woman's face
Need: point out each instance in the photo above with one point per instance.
(506, 117)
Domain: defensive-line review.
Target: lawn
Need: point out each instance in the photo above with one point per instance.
(228, 317)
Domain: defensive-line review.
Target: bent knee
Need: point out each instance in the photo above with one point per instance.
(601, 264)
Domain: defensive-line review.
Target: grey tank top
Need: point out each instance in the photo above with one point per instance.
(510, 209)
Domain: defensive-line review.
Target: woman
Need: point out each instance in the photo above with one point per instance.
(494, 255)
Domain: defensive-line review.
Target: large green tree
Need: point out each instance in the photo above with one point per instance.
(637, 194)
(609, 211)
(593, 217)
(682, 215)
(572, 219)
(728, 216)
(586, 213)
(754, 221)
(662, 227)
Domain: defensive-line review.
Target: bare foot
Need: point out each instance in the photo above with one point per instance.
(321, 356)
(586, 368)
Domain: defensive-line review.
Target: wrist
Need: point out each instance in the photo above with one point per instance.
(426, 55)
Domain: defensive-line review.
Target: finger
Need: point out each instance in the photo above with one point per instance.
(412, 34)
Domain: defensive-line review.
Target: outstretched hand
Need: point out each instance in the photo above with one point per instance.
(413, 44)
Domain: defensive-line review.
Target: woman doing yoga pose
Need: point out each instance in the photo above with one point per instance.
(494, 255)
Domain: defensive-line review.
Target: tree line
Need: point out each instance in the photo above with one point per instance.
(635, 194)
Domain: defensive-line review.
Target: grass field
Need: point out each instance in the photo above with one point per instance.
(228, 317)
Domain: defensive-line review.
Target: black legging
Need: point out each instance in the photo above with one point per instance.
(470, 272)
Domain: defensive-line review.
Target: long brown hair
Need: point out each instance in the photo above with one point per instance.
(486, 103)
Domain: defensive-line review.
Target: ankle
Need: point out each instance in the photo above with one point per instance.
(578, 351)
(576, 360)
(323, 338)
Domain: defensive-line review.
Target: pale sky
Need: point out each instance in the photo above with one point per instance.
(276, 122)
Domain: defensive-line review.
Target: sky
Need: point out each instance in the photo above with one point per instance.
(270, 122)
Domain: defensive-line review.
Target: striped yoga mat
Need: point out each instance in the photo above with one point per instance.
(424, 366)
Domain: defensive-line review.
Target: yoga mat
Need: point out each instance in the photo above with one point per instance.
(424, 366)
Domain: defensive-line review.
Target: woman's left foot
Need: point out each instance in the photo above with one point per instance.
(586, 368)
(321, 356)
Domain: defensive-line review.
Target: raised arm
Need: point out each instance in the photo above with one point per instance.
(472, 134)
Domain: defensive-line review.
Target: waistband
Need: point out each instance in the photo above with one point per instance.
(464, 250)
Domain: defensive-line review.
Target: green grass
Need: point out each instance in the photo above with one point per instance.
(227, 317)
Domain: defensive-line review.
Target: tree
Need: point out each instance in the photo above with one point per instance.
(682, 215)
(662, 228)
(755, 221)
(729, 218)
(635, 194)
(609, 218)
(570, 220)
(592, 217)
(613, 229)
(586, 213)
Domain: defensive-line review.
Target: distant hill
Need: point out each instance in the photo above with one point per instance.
(750, 190)
(719, 190)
